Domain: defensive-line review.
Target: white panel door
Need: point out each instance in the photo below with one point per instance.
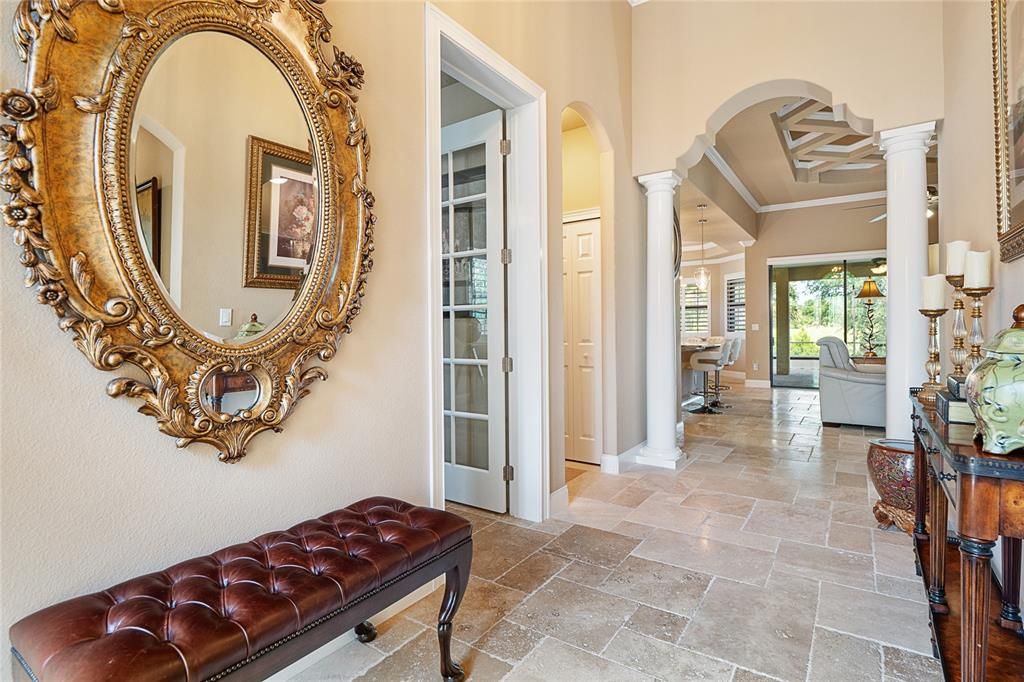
(582, 265)
(473, 301)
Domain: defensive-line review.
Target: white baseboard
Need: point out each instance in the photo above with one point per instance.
(337, 643)
(758, 383)
(615, 464)
(558, 502)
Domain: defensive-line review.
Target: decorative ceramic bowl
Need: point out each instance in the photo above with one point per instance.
(891, 465)
(995, 389)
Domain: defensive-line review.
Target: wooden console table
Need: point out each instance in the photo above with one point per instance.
(987, 495)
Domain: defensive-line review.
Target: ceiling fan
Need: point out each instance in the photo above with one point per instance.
(933, 202)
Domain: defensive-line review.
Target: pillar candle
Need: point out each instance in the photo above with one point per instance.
(933, 290)
(956, 252)
(933, 259)
(978, 269)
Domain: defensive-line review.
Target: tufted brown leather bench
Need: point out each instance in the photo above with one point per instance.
(249, 610)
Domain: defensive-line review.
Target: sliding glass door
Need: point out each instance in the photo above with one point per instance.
(812, 301)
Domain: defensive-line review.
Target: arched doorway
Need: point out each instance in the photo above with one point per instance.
(586, 217)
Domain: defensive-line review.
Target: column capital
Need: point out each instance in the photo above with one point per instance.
(917, 137)
(662, 181)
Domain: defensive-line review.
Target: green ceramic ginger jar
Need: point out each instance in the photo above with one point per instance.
(995, 389)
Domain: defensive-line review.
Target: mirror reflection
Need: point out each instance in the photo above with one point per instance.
(226, 193)
(230, 392)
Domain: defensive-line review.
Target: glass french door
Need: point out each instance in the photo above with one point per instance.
(473, 312)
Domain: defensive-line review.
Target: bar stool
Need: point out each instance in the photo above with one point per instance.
(709, 361)
(735, 348)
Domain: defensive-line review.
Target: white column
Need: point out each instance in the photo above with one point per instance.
(906, 244)
(662, 350)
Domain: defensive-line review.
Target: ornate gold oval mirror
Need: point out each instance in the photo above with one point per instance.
(187, 184)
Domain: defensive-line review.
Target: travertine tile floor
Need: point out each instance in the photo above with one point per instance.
(758, 561)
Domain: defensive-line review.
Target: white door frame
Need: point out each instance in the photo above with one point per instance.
(459, 53)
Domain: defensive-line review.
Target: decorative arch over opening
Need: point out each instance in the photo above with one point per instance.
(761, 92)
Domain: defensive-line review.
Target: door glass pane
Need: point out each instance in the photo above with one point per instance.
(448, 440)
(471, 443)
(448, 387)
(445, 281)
(471, 334)
(445, 231)
(470, 171)
(470, 389)
(471, 226)
(447, 325)
(470, 280)
(865, 316)
(444, 177)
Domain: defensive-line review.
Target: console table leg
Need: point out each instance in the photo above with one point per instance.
(1009, 616)
(975, 582)
(920, 490)
(937, 563)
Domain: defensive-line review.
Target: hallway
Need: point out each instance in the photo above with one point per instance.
(760, 560)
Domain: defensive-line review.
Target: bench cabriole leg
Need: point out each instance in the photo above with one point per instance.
(366, 632)
(455, 582)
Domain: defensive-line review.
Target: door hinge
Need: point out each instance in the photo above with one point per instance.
(505, 146)
(508, 473)
(506, 256)
(506, 364)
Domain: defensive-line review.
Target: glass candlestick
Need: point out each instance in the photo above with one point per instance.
(977, 336)
(933, 367)
(958, 353)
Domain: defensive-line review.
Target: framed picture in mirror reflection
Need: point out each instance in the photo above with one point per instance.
(281, 214)
(147, 198)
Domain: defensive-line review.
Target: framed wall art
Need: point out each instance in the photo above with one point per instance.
(281, 214)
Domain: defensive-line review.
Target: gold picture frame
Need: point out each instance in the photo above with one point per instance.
(1008, 91)
(263, 267)
(67, 138)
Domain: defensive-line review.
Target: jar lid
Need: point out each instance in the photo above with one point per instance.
(1011, 339)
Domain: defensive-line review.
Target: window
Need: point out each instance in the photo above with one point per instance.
(695, 310)
(735, 305)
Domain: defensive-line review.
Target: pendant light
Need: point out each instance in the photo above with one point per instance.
(702, 274)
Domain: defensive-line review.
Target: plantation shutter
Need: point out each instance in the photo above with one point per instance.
(695, 311)
(735, 305)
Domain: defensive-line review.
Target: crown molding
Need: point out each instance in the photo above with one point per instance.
(825, 201)
(737, 184)
(730, 176)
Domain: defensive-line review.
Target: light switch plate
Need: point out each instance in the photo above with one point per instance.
(755, 327)
(225, 317)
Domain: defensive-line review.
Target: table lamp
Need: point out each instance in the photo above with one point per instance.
(868, 293)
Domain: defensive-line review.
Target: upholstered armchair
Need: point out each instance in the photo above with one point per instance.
(849, 394)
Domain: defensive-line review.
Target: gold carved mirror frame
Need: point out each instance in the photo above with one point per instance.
(64, 162)
(1009, 227)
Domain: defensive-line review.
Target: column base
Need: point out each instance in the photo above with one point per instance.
(673, 458)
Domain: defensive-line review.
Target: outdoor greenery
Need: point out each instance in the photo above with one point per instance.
(816, 310)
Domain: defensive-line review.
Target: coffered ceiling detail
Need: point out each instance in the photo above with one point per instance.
(824, 145)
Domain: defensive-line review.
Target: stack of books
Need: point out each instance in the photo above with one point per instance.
(952, 408)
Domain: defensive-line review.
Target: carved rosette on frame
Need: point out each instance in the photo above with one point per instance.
(86, 62)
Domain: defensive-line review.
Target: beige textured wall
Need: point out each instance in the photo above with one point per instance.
(124, 501)
(581, 170)
(211, 92)
(967, 164)
(883, 59)
(967, 156)
(594, 76)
